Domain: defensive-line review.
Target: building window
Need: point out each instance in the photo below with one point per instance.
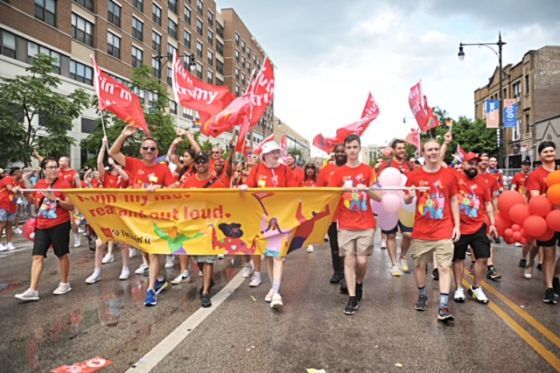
(200, 6)
(45, 10)
(113, 45)
(236, 55)
(137, 29)
(210, 18)
(140, 93)
(219, 81)
(237, 38)
(88, 125)
(527, 89)
(210, 77)
(220, 30)
(199, 49)
(88, 4)
(34, 49)
(220, 66)
(243, 79)
(187, 39)
(210, 56)
(138, 4)
(172, 5)
(156, 66)
(82, 30)
(114, 13)
(527, 123)
(199, 27)
(170, 50)
(170, 76)
(81, 72)
(236, 73)
(242, 45)
(8, 44)
(172, 28)
(156, 14)
(236, 90)
(243, 62)
(220, 47)
(173, 107)
(137, 57)
(516, 90)
(188, 15)
(156, 42)
(210, 37)
(198, 70)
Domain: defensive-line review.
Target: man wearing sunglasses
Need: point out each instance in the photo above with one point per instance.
(149, 174)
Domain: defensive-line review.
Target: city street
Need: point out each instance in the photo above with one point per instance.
(515, 332)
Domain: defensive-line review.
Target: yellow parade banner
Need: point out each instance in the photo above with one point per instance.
(209, 221)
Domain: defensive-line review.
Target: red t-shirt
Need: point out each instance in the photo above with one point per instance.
(520, 182)
(473, 196)
(326, 174)
(499, 177)
(68, 175)
(434, 220)
(50, 214)
(211, 182)
(537, 180)
(141, 175)
(7, 198)
(299, 175)
(403, 167)
(491, 183)
(263, 177)
(354, 209)
(310, 183)
(111, 181)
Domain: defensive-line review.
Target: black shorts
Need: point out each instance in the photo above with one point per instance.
(479, 242)
(57, 236)
(550, 243)
(398, 227)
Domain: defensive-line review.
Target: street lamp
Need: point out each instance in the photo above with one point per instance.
(500, 44)
(190, 58)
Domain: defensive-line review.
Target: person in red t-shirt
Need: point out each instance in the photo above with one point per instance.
(493, 170)
(519, 183)
(324, 179)
(270, 173)
(310, 177)
(399, 162)
(145, 173)
(9, 186)
(477, 217)
(536, 185)
(356, 223)
(298, 172)
(437, 224)
(52, 228)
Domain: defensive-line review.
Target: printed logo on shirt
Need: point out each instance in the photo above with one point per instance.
(47, 210)
(469, 203)
(432, 205)
(354, 201)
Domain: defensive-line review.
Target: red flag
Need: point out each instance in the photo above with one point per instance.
(459, 153)
(193, 93)
(284, 145)
(413, 138)
(242, 137)
(326, 144)
(370, 112)
(258, 149)
(418, 103)
(118, 99)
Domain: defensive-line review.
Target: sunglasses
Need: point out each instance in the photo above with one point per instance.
(216, 152)
(149, 148)
(201, 161)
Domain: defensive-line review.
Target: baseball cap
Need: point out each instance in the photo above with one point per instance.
(471, 157)
(201, 155)
(269, 147)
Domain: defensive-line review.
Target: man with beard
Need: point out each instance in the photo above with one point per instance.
(323, 180)
(475, 208)
(493, 170)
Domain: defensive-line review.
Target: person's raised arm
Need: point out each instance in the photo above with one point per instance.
(100, 156)
(116, 150)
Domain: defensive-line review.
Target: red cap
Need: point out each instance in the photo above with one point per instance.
(470, 157)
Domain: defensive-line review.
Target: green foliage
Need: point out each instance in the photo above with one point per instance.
(296, 153)
(34, 95)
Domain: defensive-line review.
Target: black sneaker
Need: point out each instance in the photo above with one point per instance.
(359, 292)
(343, 288)
(351, 306)
(422, 304)
(492, 274)
(497, 240)
(549, 296)
(522, 263)
(444, 315)
(200, 290)
(435, 274)
(539, 266)
(556, 285)
(336, 278)
(205, 300)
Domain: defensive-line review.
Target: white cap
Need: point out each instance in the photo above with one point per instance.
(269, 147)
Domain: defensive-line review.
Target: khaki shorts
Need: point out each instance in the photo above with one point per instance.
(423, 252)
(358, 243)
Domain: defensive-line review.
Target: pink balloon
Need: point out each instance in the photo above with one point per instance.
(391, 202)
(403, 180)
(387, 221)
(390, 177)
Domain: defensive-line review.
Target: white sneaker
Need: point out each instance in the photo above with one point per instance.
(383, 244)
(395, 271)
(517, 244)
(200, 274)
(28, 295)
(108, 258)
(10, 246)
(221, 256)
(93, 278)
(276, 303)
(169, 261)
(247, 271)
(268, 296)
(77, 241)
(459, 295)
(18, 231)
(131, 253)
(404, 266)
(143, 269)
(185, 276)
(62, 288)
(309, 249)
(479, 296)
(528, 272)
(3, 248)
(255, 280)
(125, 274)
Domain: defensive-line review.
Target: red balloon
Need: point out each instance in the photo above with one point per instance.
(523, 241)
(516, 236)
(508, 233)
(547, 236)
(516, 227)
(535, 226)
(519, 213)
(502, 224)
(539, 205)
(29, 229)
(553, 178)
(509, 240)
(553, 194)
(553, 220)
(509, 199)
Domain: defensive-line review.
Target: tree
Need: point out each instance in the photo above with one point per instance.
(34, 95)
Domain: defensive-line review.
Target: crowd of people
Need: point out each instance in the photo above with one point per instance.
(454, 217)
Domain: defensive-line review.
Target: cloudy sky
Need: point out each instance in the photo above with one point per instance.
(330, 53)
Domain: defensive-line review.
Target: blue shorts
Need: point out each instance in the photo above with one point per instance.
(5, 216)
